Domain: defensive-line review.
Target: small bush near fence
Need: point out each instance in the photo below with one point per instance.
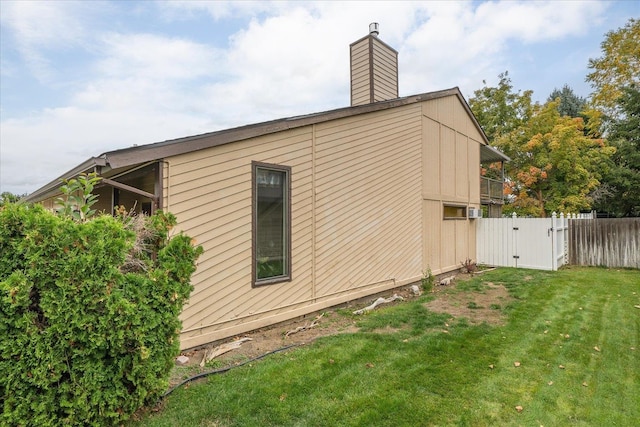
(84, 341)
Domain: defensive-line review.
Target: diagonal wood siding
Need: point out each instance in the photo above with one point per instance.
(368, 180)
(364, 218)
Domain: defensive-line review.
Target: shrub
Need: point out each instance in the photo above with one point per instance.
(427, 280)
(84, 341)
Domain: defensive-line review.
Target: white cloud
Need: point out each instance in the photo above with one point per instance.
(219, 9)
(290, 58)
(40, 27)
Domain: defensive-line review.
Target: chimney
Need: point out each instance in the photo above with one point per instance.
(374, 69)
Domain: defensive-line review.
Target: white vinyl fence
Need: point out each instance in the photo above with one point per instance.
(538, 243)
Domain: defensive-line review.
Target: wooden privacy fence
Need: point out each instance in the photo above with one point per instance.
(538, 243)
(610, 242)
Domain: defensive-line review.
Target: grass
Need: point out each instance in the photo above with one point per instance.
(575, 334)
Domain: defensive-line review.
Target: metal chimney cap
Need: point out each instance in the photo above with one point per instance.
(374, 29)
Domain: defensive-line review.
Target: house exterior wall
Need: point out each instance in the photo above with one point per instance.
(451, 165)
(367, 213)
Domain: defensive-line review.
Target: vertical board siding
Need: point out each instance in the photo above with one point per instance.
(610, 242)
(461, 177)
(368, 179)
(447, 162)
(448, 156)
(430, 159)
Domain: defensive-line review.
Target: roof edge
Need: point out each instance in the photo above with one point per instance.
(52, 186)
(168, 148)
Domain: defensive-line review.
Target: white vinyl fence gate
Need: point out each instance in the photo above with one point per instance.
(538, 243)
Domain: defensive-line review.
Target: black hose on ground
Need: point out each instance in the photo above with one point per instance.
(227, 368)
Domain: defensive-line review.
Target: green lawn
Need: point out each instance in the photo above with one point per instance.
(575, 334)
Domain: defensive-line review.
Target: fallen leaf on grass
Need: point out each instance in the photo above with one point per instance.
(283, 396)
(637, 306)
(516, 364)
(584, 384)
(561, 366)
(567, 336)
(491, 366)
(519, 408)
(596, 348)
(550, 383)
(546, 331)
(369, 365)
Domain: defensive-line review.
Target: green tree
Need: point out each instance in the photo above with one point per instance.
(570, 104)
(618, 67)
(7, 197)
(499, 110)
(89, 314)
(555, 166)
(623, 178)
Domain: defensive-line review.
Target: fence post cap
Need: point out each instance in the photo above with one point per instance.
(514, 215)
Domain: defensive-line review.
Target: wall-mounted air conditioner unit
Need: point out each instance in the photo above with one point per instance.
(474, 213)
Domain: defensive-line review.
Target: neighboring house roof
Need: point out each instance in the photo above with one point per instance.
(146, 153)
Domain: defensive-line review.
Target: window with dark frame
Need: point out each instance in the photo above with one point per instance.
(271, 223)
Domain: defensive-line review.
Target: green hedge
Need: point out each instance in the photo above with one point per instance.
(84, 341)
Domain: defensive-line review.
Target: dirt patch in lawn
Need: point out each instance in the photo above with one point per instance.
(476, 306)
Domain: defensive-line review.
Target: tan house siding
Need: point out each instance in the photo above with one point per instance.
(362, 233)
(360, 87)
(369, 186)
(367, 213)
(385, 72)
(210, 193)
(368, 177)
(374, 71)
(450, 155)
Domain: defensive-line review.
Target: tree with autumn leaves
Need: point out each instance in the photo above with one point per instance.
(562, 159)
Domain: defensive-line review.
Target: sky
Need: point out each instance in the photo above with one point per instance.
(78, 79)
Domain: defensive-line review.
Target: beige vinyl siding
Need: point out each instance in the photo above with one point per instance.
(360, 82)
(210, 193)
(374, 71)
(451, 159)
(473, 169)
(385, 72)
(368, 218)
(368, 215)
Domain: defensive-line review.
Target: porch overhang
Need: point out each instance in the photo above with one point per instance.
(488, 154)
